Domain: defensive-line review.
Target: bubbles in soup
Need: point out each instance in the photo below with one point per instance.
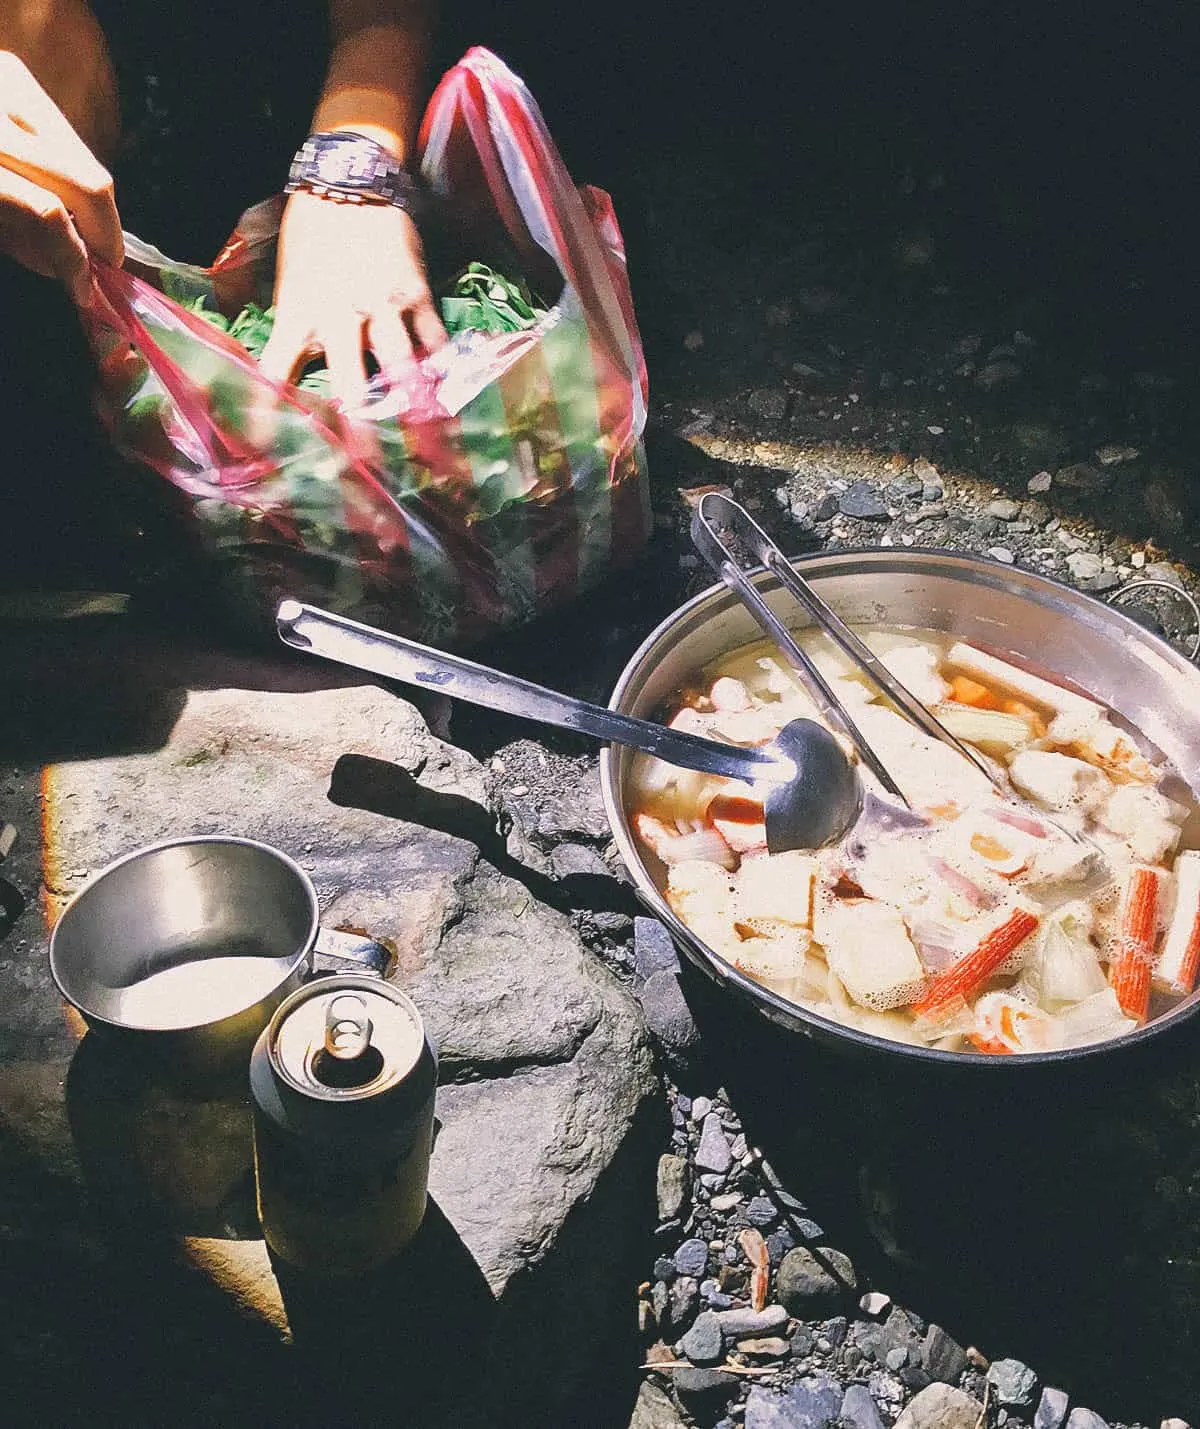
(1055, 905)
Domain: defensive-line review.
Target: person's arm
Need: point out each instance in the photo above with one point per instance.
(56, 198)
(351, 277)
(375, 81)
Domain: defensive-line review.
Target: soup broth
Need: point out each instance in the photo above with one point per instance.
(1053, 904)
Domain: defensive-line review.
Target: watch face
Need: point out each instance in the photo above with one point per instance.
(346, 163)
(350, 165)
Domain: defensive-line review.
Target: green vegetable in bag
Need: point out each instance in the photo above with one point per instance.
(478, 300)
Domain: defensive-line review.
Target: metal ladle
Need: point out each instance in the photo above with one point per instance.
(811, 792)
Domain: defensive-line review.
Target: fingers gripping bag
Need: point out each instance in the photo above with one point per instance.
(491, 480)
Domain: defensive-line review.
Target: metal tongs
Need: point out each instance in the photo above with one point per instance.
(717, 520)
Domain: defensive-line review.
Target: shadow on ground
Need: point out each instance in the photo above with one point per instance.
(1037, 1213)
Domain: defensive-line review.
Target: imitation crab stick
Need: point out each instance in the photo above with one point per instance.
(972, 971)
(1180, 960)
(1129, 970)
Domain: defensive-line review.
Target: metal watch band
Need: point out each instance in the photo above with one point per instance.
(350, 167)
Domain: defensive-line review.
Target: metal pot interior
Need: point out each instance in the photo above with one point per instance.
(1022, 617)
(184, 935)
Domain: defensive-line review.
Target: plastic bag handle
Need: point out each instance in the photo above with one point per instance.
(527, 178)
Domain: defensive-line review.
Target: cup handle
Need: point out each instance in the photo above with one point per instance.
(339, 952)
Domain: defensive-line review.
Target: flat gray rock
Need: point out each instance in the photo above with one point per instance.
(546, 1075)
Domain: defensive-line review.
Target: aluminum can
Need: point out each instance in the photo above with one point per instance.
(342, 1080)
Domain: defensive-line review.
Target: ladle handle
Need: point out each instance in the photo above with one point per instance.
(334, 637)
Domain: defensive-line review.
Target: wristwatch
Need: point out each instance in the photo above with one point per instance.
(352, 168)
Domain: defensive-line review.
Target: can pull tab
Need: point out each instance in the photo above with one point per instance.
(347, 1059)
(347, 1027)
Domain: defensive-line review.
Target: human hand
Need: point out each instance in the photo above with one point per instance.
(350, 280)
(56, 198)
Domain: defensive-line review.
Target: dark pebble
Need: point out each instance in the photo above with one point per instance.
(1106, 580)
(760, 1212)
(664, 1269)
(807, 1283)
(1051, 1410)
(811, 1402)
(1085, 1419)
(809, 1229)
(684, 1104)
(803, 1340)
(704, 1392)
(684, 1300)
(862, 501)
(852, 1357)
(752, 1324)
(944, 1359)
(653, 951)
(692, 1258)
(668, 1016)
(915, 1377)
(859, 1410)
(1016, 1385)
(608, 922)
(704, 1344)
(835, 1330)
(778, 1244)
(826, 508)
(713, 1155)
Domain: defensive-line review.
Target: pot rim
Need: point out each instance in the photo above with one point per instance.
(780, 1010)
(99, 1021)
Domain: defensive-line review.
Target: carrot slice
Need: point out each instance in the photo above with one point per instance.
(1131, 965)
(965, 691)
(973, 970)
(994, 1046)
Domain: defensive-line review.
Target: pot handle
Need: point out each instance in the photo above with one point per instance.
(1131, 588)
(336, 951)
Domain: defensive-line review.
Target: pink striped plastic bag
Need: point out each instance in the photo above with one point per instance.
(503, 475)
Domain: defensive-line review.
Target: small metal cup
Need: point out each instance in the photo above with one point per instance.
(186, 948)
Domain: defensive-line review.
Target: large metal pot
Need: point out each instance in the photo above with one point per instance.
(1022, 617)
